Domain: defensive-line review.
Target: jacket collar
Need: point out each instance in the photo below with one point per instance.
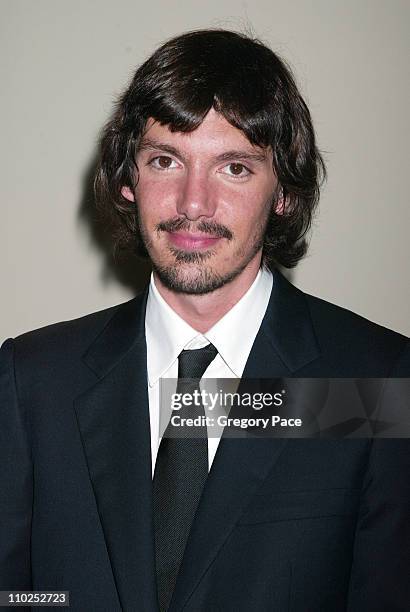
(287, 327)
(122, 332)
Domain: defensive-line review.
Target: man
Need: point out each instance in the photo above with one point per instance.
(209, 166)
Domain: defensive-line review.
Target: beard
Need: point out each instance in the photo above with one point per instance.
(192, 272)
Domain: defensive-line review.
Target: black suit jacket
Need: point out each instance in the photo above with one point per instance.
(296, 524)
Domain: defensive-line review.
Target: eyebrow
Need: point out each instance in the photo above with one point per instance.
(150, 145)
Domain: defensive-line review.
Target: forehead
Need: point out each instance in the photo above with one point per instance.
(214, 135)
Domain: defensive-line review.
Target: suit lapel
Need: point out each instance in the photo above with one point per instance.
(284, 344)
(113, 418)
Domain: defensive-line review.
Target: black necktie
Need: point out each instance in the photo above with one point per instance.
(180, 472)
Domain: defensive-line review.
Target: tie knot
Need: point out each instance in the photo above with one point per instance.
(193, 363)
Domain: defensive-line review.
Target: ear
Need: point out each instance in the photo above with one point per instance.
(280, 205)
(127, 194)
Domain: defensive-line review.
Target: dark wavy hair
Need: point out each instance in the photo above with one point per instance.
(254, 90)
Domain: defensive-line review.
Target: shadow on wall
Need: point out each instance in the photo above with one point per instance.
(127, 269)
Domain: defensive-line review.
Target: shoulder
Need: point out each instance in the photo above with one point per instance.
(344, 334)
(337, 341)
(330, 316)
(65, 338)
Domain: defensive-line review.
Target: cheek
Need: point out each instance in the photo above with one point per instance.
(234, 202)
(155, 200)
(243, 209)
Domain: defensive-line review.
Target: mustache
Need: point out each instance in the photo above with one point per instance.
(215, 230)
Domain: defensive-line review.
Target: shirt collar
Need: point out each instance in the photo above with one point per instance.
(166, 332)
(233, 335)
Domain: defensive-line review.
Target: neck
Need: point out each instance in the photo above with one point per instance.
(202, 311)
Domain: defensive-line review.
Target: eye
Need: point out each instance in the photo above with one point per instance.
(162, 162)
(237, 170)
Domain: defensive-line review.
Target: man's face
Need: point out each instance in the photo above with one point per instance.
(203, 198)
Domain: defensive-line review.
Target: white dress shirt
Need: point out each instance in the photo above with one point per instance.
(167, 334)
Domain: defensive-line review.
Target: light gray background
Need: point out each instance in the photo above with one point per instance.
(63, 62)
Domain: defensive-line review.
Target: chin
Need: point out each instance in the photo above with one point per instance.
(194, 279)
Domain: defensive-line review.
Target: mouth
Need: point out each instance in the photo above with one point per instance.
(189, 241)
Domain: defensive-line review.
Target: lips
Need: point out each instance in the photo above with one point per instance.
(191, 241)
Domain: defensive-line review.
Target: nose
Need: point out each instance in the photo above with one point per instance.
(196, 199)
